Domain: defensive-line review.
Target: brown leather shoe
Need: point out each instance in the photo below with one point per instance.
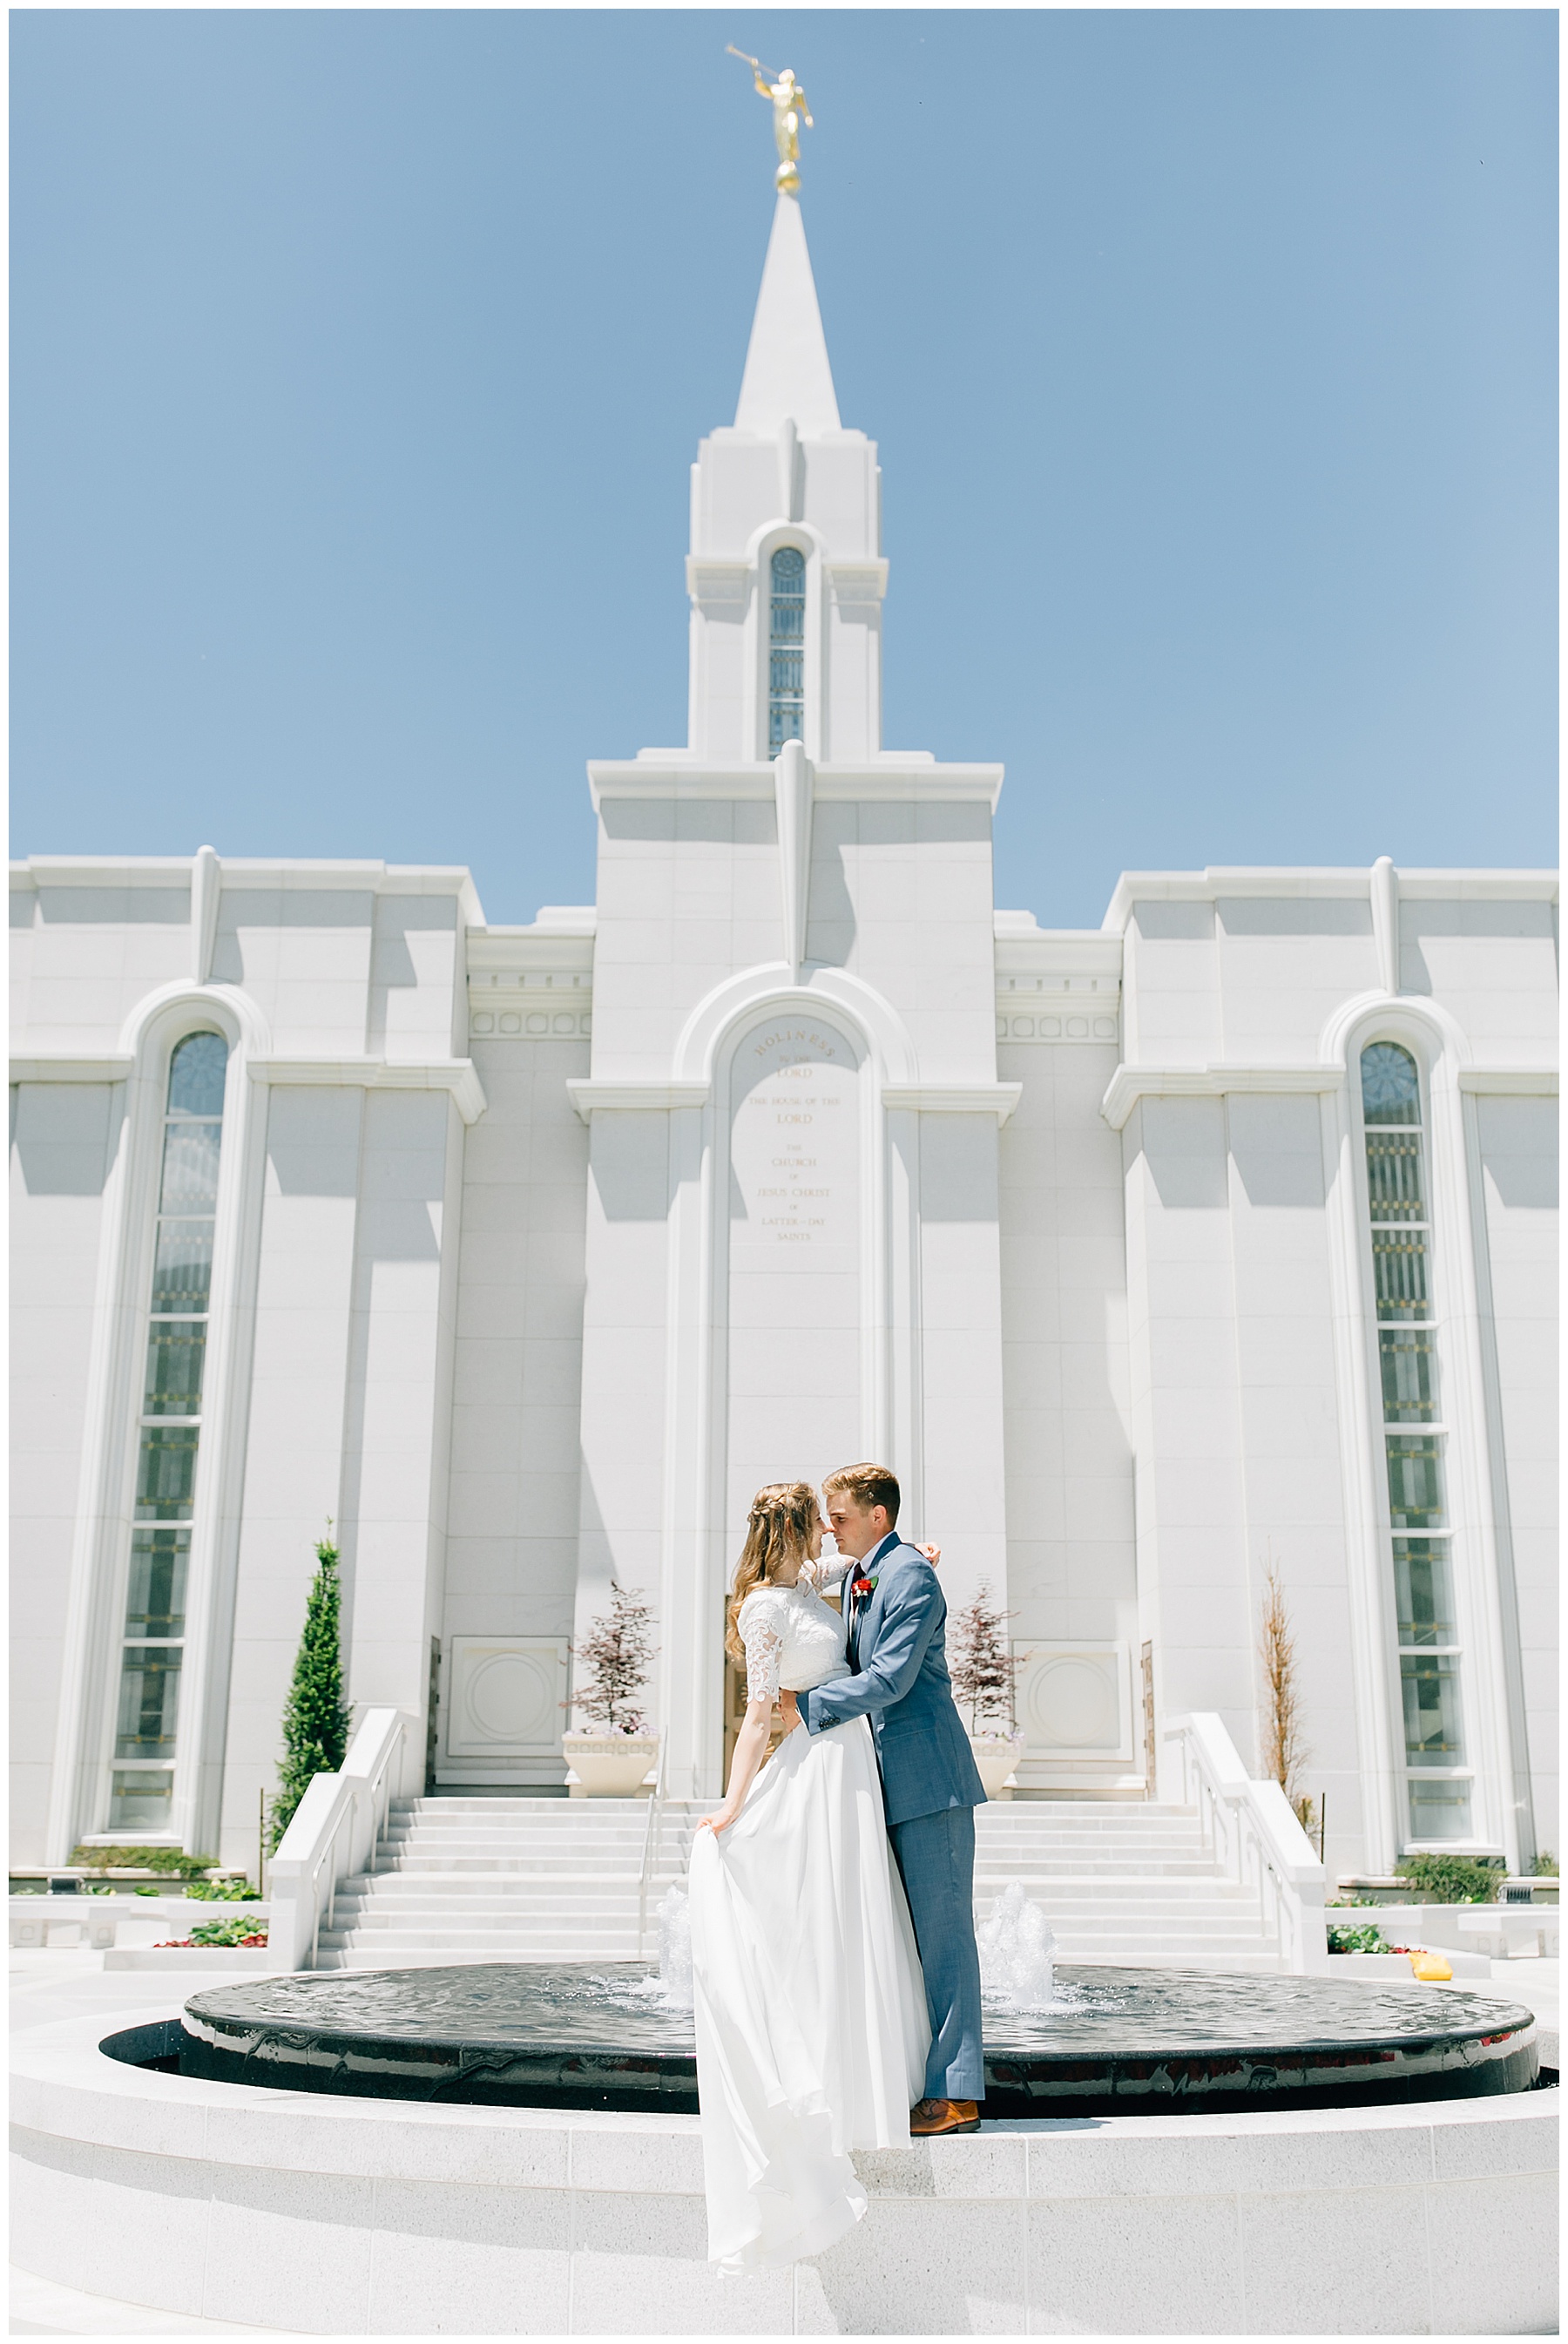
(929, 2117)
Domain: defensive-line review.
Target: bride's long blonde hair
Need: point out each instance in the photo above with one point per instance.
(778, 1529)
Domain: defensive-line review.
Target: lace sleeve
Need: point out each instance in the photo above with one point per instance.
(829, 1570)
(764, 1646)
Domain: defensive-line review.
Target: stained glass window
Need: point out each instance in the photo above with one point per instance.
(141, 1792)
(787, 649)
(1438, 1791)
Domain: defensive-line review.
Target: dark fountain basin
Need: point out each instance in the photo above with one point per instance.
(1115, 2042)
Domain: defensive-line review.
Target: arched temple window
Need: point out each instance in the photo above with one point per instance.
(1438, 1783)
(152, 1647)
(787, 649)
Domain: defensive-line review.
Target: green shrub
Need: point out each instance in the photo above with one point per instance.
(224, 1891)
(235, 1930)
(1453, 1879)
(1545, 1865)
(1365, 1940)
(171, 1860)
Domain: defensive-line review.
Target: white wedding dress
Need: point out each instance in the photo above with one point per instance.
(808, 2000)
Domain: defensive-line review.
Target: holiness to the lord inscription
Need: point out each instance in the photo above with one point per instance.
(794, 1144)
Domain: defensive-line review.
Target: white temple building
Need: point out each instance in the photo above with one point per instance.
(1216, 1239)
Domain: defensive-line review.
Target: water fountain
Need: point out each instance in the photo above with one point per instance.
(1068, 2041)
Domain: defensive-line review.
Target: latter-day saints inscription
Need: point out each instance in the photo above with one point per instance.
(795, 1139)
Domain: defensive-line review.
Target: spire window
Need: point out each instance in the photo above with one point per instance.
(151, 1645)
(1437, 1781)
(787, 649)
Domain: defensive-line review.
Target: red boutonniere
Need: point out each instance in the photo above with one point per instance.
(863, 1586)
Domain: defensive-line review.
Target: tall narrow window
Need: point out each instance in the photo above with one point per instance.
(787, 650)
(153, 1640)
(1436, 1778)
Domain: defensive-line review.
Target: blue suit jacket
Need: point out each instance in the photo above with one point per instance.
(903, 1687)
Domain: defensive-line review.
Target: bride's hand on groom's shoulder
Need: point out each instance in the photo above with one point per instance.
(933, 1555)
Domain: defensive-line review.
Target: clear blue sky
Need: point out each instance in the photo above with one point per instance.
(359, 357)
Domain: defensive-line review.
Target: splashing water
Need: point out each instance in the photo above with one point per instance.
(1017, 1953)
(672, 1986)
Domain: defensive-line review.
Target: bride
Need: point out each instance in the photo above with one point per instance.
(808, 2005)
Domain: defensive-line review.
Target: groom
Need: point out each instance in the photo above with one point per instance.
(930, 1785)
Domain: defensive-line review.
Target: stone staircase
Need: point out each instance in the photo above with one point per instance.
(510, 1880)
(546, 1880)
(1135, 1884)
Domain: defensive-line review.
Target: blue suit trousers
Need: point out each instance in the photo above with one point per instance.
(936, 1859)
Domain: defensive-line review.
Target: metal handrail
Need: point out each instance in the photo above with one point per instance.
(652, 1831)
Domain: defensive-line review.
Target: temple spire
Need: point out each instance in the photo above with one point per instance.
(787, 369)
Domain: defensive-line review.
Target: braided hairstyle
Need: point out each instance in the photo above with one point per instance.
(778, 1529)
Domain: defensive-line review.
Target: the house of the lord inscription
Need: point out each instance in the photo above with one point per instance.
(794, 1320)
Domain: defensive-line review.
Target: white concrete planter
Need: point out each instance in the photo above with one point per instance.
(1394, 1969)
(608, 1765)
(216, 1958)
(996, 1755)
(102, 1921)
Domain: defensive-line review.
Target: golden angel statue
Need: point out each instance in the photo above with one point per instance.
(787, 100)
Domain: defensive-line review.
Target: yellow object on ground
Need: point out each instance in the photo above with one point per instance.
(1431, 1966)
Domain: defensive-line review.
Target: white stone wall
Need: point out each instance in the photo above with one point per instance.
(1102, 1337)
(688, 894)
(341, 991)
(1518, 1151)
(298, 1427)
(1248, 998)
(63, 1140)
(901, 897)
(1072, 1561)
(89, 940)
(512, 1546)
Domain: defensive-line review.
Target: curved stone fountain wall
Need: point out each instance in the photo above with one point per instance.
(383, 2218)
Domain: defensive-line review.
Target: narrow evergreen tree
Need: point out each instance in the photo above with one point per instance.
(982, 1668)
(316, 1715)
(616, 1659)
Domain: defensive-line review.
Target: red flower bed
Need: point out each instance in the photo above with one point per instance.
(169, 1944)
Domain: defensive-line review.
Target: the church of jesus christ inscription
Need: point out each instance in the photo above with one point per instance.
(794, 1315)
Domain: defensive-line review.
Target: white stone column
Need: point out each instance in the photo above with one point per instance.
(959, 1487)
(397, 1437)
(294, 1451)
(625, 1387)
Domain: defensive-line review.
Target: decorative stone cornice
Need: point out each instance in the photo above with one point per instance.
(1216, 884)
(719, 587)
(916, 779)
(860, 582)
(71, 1067)
(954, 1099)
(598, 1094)
(1129, 1085)
(1506, 1082)
(303, 878)
(457, 1075)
